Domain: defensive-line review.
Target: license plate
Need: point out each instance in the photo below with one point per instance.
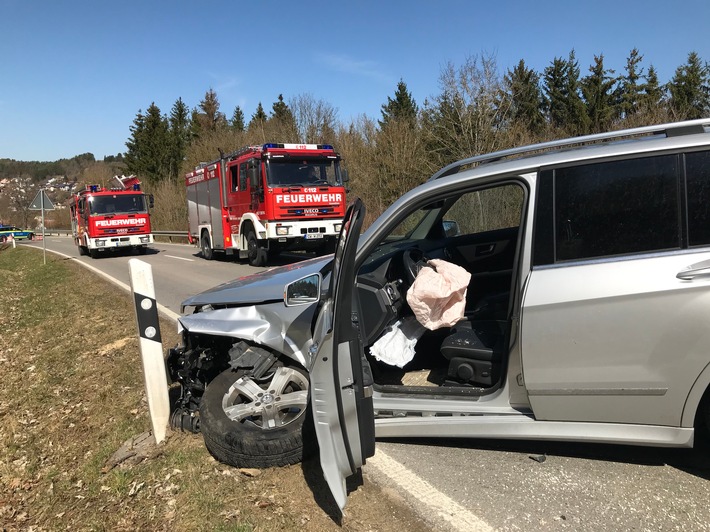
(310, 236)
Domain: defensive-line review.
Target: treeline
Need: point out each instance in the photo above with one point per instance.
(478, 110)
(38, 171)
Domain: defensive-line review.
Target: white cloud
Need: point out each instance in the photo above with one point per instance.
(348, 65)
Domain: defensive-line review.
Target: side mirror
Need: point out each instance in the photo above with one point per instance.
(151, 201)
(303, 292)
(344, 175)
(451, 228)
(254, 174)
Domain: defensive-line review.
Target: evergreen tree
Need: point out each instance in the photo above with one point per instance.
(282, 122)
(563, 102)
(401, 107)
(524, 95)
(209, 118)
(690, 89)
(179, 133)
(149, 148)
(599, 97)
(135, 143)
(237, 121)
(281, 111)
(630, 87)
(258, 118)
(652, 93)
(579, 121)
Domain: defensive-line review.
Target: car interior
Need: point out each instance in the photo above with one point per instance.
(477, 230)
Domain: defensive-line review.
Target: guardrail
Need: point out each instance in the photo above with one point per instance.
(67, 232)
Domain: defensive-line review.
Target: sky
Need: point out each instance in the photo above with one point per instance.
(74, 73)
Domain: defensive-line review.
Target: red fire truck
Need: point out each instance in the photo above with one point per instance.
(260, 200)
(110, 219)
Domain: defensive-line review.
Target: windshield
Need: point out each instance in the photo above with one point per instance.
(117, 204)
(287, 172)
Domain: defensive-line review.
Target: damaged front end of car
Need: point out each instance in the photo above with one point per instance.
(253, 354)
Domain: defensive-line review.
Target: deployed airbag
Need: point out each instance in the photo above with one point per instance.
(396, 346)
(438, 295)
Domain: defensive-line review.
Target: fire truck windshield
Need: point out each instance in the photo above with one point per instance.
(117, 204)
(294, 172)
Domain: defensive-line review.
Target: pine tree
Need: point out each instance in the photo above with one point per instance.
(282, 122)
(524, 95)
(564, 104)
(630, 88)
(599, 96)
(135, 143)
(258, 118)
(149, 146)
(179, 134)
(579, 120)
(237, 121)
(209, 118)
(690, 89)
(401, 107)
(652, 93)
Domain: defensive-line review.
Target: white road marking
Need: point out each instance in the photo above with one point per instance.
(180, 258)
(438, 504)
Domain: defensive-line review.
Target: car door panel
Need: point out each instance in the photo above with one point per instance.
(341, 387)
(615, 341)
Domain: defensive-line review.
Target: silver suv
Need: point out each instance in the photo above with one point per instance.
(585, 319)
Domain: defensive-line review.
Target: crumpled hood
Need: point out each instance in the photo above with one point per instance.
(259, 287)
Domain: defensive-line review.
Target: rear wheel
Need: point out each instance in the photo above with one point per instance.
(207, 251)
(248, 422)
(257, 254)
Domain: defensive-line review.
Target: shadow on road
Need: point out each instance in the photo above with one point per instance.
(694, 461)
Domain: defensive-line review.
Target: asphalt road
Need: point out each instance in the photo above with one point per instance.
(488, 485)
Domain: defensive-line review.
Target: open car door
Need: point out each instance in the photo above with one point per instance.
(341, 382)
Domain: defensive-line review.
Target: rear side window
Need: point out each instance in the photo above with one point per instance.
(608, 209)
(697, 171)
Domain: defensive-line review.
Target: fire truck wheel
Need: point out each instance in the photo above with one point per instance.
(248, 422)
(82, 250)
(94, 253)
(207, 252)
(257, 254)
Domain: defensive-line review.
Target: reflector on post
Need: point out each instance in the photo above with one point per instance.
(151, 347)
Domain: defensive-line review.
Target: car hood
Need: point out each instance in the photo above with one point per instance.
(261, 287)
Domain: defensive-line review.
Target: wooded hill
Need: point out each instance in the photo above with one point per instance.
(479, 109)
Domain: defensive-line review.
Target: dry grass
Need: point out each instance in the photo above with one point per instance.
(72, 393)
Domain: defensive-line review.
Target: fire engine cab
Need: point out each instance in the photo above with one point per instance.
(109, 219)
(261, 200)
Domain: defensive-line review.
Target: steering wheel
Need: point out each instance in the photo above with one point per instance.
(413, 260)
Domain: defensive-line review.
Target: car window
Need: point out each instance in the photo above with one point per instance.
(697, 171)
(608, 209)
(486, 210)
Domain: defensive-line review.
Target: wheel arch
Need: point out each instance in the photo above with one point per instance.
(699, 391)
(250, 219)
(205, 229)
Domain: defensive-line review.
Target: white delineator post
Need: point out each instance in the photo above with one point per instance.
(151, 347)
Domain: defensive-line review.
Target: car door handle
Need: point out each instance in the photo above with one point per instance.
(485, 250)
(699, 269)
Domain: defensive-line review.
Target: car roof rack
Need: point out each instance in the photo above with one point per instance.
(673, 129)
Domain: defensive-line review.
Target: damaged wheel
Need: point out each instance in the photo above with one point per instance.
(248, 422)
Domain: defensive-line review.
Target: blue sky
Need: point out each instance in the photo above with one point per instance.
(74, 73)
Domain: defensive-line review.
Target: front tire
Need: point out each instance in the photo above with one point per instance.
(207, 251)
(256, 253)
(257, 423)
